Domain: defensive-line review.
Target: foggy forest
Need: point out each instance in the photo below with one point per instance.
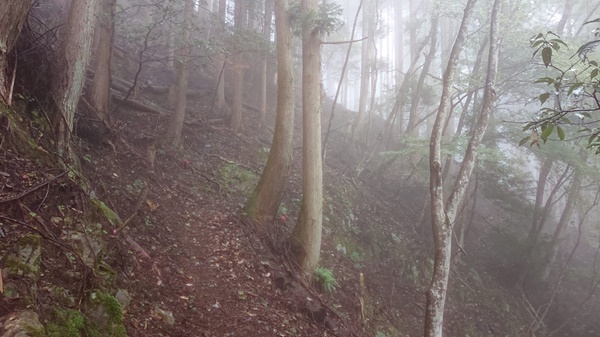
(383, 168)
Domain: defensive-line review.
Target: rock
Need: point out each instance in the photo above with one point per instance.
(167, 316)
(25, 261)
(88, 246)
(23, 324)
(123, 297)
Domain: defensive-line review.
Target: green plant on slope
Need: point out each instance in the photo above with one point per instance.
(325, 279)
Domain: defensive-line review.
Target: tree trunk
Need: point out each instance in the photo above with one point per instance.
(100, 88)
(561, 228)
(238, 71)
(365, 66)
(13, 14)
(75, 55)
(220, 64)
(411, 128)
(443, 217)
(265, 201)
(264, 65)
(306, 237)
(181, 64)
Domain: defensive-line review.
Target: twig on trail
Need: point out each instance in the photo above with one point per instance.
(251, 169)
(3, 201)
(138, 204)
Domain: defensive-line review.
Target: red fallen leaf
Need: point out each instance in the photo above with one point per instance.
(25, 177)
(283, 218)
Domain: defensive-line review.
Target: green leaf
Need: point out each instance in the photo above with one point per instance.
(547, 131)
(574, 87)
(560, 132)
(547, 56)
(586, 114)
(547, 80)
(592, 139)
(594, 72)
(544, 97)
(524, 140)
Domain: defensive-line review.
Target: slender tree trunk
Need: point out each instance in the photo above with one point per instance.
(306, 237)
(75, 54)
(220, 103)
(561, 228)
(443, 216)
(238, 71)
(264, 64)
(265, 201)
(181, 64)
(366, 65)
(13, 14)
(100, 88)
(411, 128)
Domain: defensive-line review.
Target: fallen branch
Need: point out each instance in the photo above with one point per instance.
(17, 197)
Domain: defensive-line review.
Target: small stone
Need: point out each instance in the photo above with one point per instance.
(167, 316)
(23, 324)
(123, 297)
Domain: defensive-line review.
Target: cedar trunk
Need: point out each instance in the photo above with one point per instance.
(75, 54)
(12, 17)
(238, 70)
(306, 237)
(264, 203)
(100, 88)
(181, 86)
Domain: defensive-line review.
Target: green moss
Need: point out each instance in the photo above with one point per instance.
(237, 179)
(35, 332)
(113, 314)
(106, 212)
(66, 323)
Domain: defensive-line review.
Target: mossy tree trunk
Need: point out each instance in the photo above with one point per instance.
(306, 236)
(73, 62)
(13, 14)
(266, 198)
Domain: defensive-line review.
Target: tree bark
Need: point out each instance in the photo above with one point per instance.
(100, 89)
(306, 236)
(266, 198)
(411, 128)
(561, 228)
(238, 70)
(365, 66)
(13, 14)
(220, 64)
(182, 64)
(75, 54)
(443, 217)
(264, 64)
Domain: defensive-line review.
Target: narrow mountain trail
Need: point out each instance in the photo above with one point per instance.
(192, 266)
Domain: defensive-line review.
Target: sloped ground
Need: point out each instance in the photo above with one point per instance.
(195, 267)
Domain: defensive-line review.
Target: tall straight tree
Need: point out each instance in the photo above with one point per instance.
(220, 64)
(265, 200)
(238, 68)
(100, 88)
(182, 64)
(75, 54)
(443, 213)
(12, 17)
(264, 64)
(306, 237)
